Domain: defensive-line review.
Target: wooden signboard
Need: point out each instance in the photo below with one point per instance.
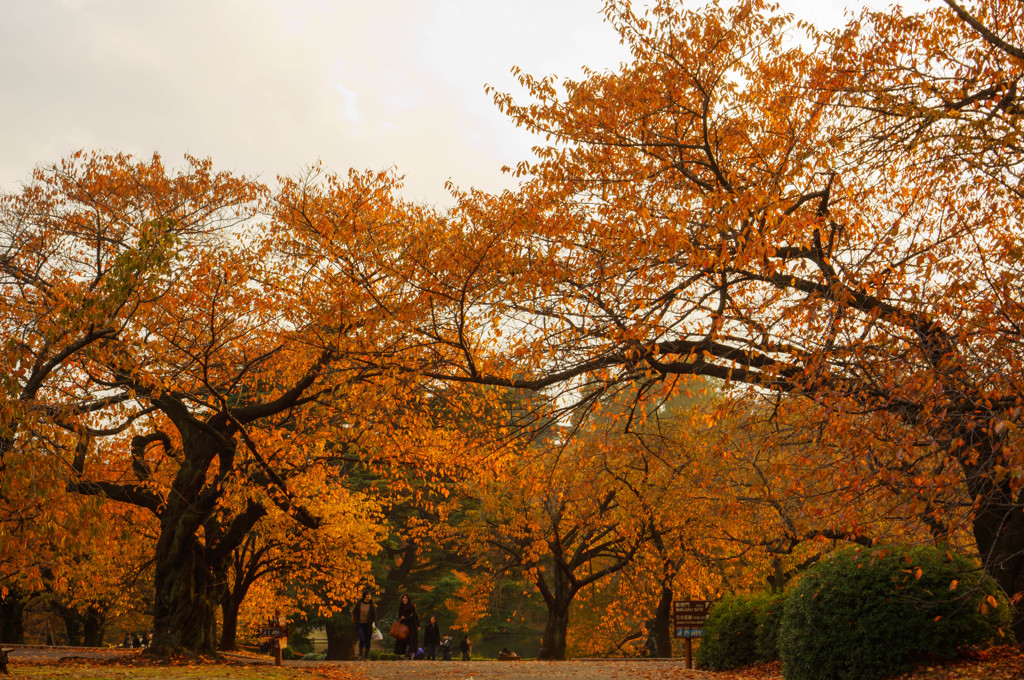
(278, 634)
(688, 618)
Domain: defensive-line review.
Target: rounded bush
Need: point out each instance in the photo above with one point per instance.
(865, 613)
(769, 621)
(740, 630)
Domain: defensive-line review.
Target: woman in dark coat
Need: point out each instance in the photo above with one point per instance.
(431, 638)
(407, 615)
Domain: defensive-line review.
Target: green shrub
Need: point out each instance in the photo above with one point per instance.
(865, 613)
(769, 620)
(740, 630)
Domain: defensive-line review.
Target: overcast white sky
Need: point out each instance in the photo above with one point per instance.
(268, 87)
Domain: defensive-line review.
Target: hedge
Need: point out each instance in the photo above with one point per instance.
(863, 613)
(740, 630)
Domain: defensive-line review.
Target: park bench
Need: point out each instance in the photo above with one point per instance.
(4, 651)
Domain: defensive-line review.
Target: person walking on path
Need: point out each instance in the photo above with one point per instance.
(466, 646)
(446, 648)
(407, 615)
(431, 638)
(364, 615)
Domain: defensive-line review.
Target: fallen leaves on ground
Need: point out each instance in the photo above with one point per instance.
(997, 663)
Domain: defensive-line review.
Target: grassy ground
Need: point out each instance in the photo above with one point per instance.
(205, 672)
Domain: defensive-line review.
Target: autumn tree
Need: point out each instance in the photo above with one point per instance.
(658, 452)
(105, 572)
(191, 381)
(69, 285)
(207, 401)
(833, 217)
(74, 281)
(553, 516)
(666, 453)
(320, 568)
(408, 551)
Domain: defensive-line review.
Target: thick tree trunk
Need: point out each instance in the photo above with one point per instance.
(82, 629)
(229, 622)
(557, 598)
(999, 532)
(93, 628)
(555, 630)
(191, 583)
(342, 638)
(184, 615)
(998, 524)
(188, 587)
(72, 629)
(12, 617)
(663, 614)
(663, 624)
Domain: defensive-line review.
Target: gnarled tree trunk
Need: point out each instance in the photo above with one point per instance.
(184, 615)
(555, 630)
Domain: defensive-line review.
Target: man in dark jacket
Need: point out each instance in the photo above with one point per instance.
(446, 648)
(364, 615)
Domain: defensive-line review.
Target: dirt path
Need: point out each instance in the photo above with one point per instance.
(522, 670)
(583, 669)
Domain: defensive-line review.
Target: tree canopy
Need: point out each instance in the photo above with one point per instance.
(819, 229)
(826, 215)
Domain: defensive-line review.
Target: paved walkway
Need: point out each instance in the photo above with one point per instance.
(517, 670)
(580, 669)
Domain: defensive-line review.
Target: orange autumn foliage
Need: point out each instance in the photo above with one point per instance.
(209, 386)
(833, 216)
(828, 217)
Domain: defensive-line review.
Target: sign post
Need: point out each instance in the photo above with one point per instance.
(278, 635)
(688, 618)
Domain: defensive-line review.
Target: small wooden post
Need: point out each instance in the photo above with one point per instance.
(689, 652)
(277, 640)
